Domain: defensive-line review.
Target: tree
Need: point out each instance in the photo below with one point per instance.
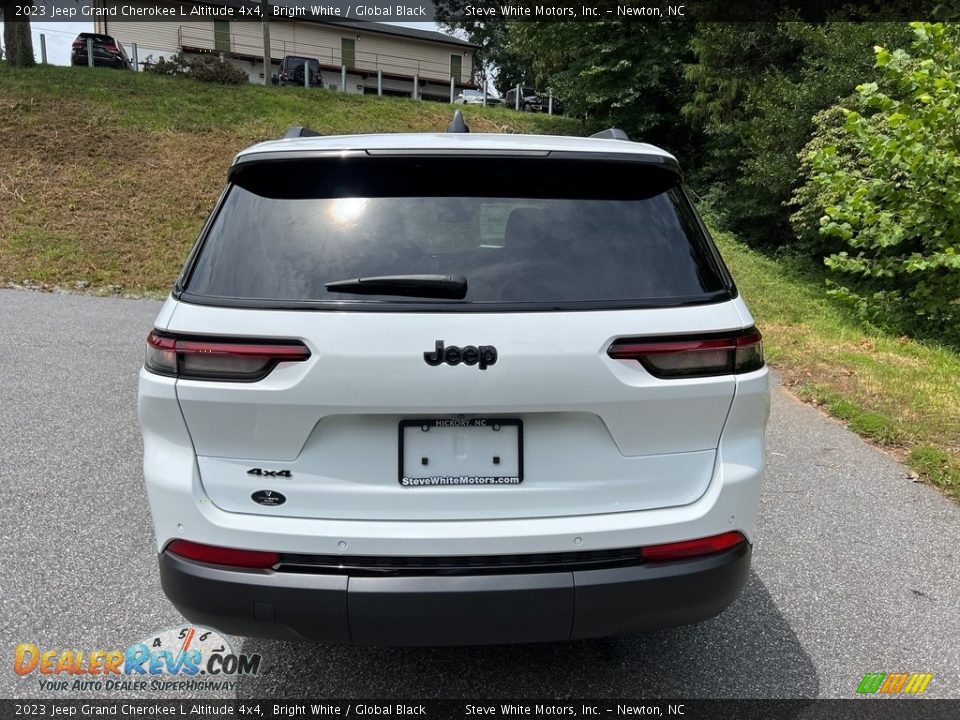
(757, 87)
(622, 74)
(495, 60)
(895, 186)
(17, 39)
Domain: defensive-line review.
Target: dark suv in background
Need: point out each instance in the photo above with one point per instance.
(531, 101)
(107, 52)
(292, 68)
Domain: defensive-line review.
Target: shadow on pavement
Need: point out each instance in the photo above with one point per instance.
(749, 651)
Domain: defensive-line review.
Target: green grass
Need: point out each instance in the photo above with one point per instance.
(897, 392)
(144, 101)
(937, 466)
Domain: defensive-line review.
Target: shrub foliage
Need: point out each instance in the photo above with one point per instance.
(206, 68)
(891, 186)
(756, 89)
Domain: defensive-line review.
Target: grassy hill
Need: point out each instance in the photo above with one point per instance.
(105, 178)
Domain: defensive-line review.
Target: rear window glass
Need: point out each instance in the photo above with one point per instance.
(297, 63)
(541, 233)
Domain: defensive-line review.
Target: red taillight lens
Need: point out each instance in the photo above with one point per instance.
(229, 359)
(223, 556)
(110, 48)
(693, 356)
(77, 44)
(691, 548)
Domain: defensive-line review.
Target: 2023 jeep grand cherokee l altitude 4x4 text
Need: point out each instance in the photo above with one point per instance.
(453, 388)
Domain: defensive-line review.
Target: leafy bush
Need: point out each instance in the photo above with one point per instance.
(810, 200)
(176, 65)
(891, 188)
(210, 68)
(757, 87)
(206, 68)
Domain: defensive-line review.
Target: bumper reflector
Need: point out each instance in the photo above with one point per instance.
(223, 556)
(691, 548)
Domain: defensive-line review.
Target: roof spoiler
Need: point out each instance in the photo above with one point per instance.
(298, 131)
(457, 125)
(611, 134)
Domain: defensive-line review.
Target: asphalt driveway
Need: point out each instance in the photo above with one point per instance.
(856, 568)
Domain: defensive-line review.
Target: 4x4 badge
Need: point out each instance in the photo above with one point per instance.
(484, 355)
(269, 473)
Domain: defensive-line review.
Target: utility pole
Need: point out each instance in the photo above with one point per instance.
(265, 24)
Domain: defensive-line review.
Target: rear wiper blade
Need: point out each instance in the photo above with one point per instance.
(432, 286)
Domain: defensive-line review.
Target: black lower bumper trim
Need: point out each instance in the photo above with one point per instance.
(458, 610)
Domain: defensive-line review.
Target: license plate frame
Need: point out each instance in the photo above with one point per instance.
(447, 423)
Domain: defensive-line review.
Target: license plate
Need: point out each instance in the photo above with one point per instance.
(440, 452)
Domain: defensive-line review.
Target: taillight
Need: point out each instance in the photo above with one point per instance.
(258, 559)
(691, 548)
(110, 48)
(78, 44)
(228, 359)
(694, 355)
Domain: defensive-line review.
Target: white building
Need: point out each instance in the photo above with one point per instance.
(371, 52)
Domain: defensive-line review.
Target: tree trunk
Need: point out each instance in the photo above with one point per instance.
(17, 42)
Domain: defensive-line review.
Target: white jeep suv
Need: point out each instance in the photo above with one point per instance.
(454, 388)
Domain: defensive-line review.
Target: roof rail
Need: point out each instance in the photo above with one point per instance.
(297, 131)
(611, 134)
(457, 125)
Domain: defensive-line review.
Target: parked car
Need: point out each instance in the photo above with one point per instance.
(475, 97)
(531, 101)
(107, 52)
(292, 68)
(381, 409)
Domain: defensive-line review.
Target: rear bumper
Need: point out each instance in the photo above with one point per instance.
(455, 610)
